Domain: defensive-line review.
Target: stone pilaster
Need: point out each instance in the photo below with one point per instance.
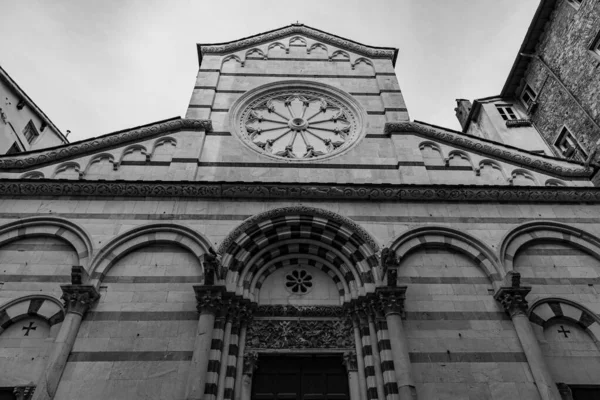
(351, 363)
(208, 302)
(512, 299)
(250, 364)
(246, 314)
(78, 300)
(390, 300)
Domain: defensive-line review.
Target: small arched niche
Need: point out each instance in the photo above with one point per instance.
(300, 285)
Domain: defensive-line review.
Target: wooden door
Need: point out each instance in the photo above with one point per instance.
(300, 378)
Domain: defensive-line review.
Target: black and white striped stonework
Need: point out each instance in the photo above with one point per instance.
(369, 361)
(33, 306)
(214, 362)
(231, 361)
(390, 387)
(269, 232)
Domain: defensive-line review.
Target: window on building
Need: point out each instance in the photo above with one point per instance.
(569, 146)
(14, 149)
(575, 3)
(528, 97)
(506, 112)
(30, 132)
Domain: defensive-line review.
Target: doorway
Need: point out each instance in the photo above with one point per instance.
(302, 377)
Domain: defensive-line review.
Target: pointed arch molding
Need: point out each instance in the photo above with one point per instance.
(546, 231)
(147, 235)
(50, 226)
(263, 237)
(45, 307)
(369, 51)
(546, 310)
(432, 236)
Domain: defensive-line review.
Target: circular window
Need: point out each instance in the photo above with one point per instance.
(297, 120)
(298, 281)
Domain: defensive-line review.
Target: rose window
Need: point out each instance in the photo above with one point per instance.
(297, 121)
(298, 281)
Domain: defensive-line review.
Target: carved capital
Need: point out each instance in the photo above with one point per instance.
(513, 300)
(250, 362)
(79, 298)
(391, 299)
(350, 361)
(209, 298)
(23, 392)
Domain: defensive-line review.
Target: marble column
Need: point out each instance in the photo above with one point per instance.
(391, 302)
(250, 364)
(231, 313)
(351, 364)
(360, 361)
(78, 299)
(513, 300)
(245, 319)
(208, 299)
(370, 321)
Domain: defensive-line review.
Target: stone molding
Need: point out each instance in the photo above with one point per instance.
(299, 311)
(297, 210)
(301, 191)
(79, 298)
(297, 29)
(30, 159)
(505, 153)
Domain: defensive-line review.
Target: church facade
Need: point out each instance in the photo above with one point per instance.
(296, 236)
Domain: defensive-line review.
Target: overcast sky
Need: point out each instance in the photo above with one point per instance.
(96, 67)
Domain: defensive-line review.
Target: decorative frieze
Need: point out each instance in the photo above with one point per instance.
(79, 298)
(300, 334)
(301, 191)
(299, 311)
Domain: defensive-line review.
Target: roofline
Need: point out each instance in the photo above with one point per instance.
(200, 45)
(532, 37)
(475, 109)
(20, 92)
(502, 144)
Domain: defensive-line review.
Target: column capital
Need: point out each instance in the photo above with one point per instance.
(513, 300)
(250, 362)
(209, 298)
(350, 361)
(79, 298)
(391, 299)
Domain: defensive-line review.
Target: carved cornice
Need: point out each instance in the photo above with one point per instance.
(302, 30)
(79, 298)
(491, 149)
(31, 159)
(301, 191)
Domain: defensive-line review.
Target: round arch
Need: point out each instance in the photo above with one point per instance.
(56, 227)
(41, 306)
(143, 236)
(545, 310)
(546, 231)
(299, 230)
(435, 236)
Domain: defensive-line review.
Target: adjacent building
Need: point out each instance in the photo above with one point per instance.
(23, 125)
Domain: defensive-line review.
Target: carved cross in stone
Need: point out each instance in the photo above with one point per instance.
(564, 331)
(29, 328)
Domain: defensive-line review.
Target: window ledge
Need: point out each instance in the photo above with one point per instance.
(516, 123)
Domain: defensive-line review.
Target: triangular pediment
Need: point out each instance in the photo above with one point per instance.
(298, 29)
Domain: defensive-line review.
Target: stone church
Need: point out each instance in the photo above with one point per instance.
(297, 237)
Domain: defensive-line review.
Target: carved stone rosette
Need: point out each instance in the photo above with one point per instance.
(513, 300)
(79, 298)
